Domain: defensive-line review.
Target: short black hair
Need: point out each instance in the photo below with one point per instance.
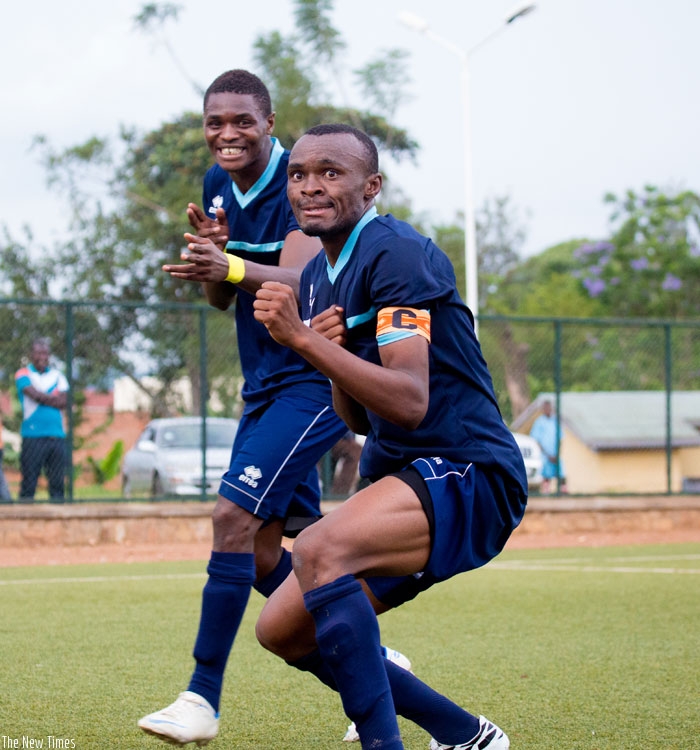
(334, 128)
(241, 82)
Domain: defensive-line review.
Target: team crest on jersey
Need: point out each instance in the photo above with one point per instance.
(250, 476)
(217, 202)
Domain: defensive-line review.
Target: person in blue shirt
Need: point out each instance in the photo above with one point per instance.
(245, 234)
(382, 318)
(43, 394)
(547, 431)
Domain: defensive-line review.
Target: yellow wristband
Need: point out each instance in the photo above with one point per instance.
(236, 268)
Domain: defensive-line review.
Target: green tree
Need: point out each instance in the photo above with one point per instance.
(126, 201)
(650, 265)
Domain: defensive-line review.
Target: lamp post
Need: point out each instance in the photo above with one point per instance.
(470, 250)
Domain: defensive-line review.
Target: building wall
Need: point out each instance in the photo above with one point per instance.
(626, 471)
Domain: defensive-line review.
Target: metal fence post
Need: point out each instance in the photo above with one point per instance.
(557, 394)
(203, 395)
(70, 333)
(669, 384)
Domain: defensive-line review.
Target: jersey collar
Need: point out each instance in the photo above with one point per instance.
(263, 181)
(349, 245)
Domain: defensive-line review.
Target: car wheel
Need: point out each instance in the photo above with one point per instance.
(126, 487)
(157, 489)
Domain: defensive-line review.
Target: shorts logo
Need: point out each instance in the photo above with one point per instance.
(250, 476)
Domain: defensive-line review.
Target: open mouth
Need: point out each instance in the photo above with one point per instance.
(231, 151)
(314, 210)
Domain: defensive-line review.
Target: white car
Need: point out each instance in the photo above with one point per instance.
(532, 456)
(167, 458)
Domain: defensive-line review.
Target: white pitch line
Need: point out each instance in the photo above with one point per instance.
(103, 579)
(640, 558)
(515, 565)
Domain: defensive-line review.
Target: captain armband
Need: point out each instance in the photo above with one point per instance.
(236, 269)
(394, 323)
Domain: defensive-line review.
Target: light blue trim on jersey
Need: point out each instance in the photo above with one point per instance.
(390, 338)
(262, 182)
(265, 247)
(357, 320)
(349, 245)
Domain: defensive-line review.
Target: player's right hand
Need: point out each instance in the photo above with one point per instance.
(216, 230)
(205, 261)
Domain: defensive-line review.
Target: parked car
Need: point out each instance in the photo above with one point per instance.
(167, 458)
(532, 456)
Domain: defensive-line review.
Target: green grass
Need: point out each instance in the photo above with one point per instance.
(591, 649)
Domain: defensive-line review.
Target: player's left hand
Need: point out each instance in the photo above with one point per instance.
(205, 262)
(276, 308)
(331, 324)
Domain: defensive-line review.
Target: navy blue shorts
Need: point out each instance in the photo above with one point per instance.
(473, 513)
(273, 471)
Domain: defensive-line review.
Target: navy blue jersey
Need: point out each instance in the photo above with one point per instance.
(387, 264)
(259, 221)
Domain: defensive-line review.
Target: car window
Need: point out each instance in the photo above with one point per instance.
(190, 436)
(179, 436)
(148, 434)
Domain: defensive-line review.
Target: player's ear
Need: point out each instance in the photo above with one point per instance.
(271, 122)
(373, 186)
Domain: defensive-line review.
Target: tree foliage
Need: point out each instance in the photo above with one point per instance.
(650, 265)
(126, 198)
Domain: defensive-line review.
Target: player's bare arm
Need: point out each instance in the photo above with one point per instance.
(209, 266)
(403, 372)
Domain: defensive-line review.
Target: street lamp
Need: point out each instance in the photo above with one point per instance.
(470, 250)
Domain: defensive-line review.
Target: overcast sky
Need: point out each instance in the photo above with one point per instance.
(579, 98)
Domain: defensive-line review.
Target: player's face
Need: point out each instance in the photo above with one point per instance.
(237, 133)
(329, 186)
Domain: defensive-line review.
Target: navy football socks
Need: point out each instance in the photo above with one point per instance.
(273, 579)
(224, 599)
(347, 633)
(413, 699)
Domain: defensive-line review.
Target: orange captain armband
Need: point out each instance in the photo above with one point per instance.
(394, 323)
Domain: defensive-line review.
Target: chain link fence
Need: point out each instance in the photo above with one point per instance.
(625, 396)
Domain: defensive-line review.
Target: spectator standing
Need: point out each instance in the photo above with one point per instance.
(43, 394)
(548, 433)
(5, 496)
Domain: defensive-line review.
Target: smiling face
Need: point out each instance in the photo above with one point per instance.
(330, 186)
(238, 136)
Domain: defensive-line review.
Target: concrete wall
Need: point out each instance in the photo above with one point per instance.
(185, 522)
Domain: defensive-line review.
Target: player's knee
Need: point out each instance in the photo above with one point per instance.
(307, 552)
(234, 528)
(319, 557)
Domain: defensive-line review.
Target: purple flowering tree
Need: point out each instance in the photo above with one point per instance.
(650, 266)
